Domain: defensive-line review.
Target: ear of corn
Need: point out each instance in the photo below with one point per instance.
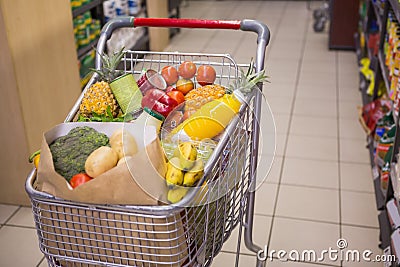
(202, 95)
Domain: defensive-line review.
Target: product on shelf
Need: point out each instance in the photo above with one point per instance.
(392, 54)
(114, 8)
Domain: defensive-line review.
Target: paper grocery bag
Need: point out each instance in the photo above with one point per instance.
(138, 182)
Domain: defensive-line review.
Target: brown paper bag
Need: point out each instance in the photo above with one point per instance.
(138, 182)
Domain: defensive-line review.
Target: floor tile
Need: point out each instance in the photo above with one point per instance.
(356, 177)
(280, 143)
(320, 79)
(353, 150)
(16, 242)
(308, 203)
(261, 234)
(312, 147)
(6, 211)
(348, 109)
(43, 263)
(315, 107)
(281, 123)
(280, 89)
(280, 105)
(225, 259)
(313, 126)
(23, 217)
(348, 80)
(359, 209)
(351, 128)
(316, 91)
(307, 172)
(265, 199)
(265, 166)
(278, 263)
(289, 234)
(275, 171)
(349, 94)
(278, 77)
(318, 66)
(361, 239)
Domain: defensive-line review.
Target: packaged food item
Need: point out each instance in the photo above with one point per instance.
(372, 112)
(383, 125)
(384, 145)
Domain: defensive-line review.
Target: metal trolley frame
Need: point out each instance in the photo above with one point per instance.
(188, 233)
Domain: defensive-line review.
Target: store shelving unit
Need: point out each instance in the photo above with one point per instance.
(388, 202)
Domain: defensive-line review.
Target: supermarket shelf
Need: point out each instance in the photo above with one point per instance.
(358, 46)
(396, 8)
(393, 179)
(82, 51)
(385, 229)
(379, 197)
(395, 243)
(87, 7)
(393, 213)
(384, 70)
(378, 14)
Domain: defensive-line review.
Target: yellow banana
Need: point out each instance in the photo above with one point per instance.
(176, 194)
(194, 174)
(174, 175)
(187, 155)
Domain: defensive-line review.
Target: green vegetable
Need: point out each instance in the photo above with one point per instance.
(108, 117)
(71, 151)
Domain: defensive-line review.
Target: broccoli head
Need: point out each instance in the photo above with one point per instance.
(71, 151)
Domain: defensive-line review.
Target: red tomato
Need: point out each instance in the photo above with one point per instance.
(205, 75)
(178, 96)
(170, 74)
(184, 86)
(79, 179)
(187, 70)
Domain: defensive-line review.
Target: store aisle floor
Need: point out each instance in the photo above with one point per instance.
(320, 186)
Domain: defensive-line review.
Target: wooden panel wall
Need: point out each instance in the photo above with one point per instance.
(39, 83)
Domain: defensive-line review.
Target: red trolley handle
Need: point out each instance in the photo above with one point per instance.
(245, 25)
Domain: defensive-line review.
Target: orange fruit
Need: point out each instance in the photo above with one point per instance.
(184, 85)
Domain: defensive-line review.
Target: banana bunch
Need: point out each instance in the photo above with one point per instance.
(183, 170)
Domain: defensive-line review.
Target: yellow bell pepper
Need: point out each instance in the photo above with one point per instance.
(211, 119)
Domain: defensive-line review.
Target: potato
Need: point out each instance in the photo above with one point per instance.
(123, 143)
(123, 160)
(101, 160)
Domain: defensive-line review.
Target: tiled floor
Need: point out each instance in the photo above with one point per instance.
(320, 186)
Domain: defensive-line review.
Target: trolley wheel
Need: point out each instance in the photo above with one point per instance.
(319, 26)
(318, 13)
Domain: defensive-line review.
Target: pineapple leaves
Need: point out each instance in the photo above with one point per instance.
(109, 64)
(248, 80)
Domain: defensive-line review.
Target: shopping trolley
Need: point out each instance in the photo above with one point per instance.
(190, 232)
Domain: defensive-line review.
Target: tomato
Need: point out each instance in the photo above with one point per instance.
(170, 75)
(79, 179)
(184, 85)
(205, 75)
(187, 70)
(178, 96)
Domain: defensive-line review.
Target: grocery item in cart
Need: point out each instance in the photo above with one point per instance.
(139, 181)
